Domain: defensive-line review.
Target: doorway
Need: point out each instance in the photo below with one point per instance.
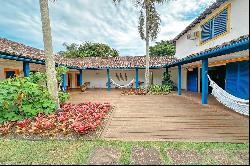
(217, 74)
(69, 81)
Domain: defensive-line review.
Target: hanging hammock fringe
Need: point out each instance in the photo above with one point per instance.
(122, 86)
(237, 104)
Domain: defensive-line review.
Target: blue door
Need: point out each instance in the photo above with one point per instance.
(193, 80)
(237, 79)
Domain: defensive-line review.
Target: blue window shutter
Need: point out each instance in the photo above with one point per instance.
(206, 32)
(243, 82)
(220, 23)
(237, 79)
(231, 78)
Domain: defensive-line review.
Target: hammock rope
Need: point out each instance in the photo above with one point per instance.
(237, 104)
(122, 86)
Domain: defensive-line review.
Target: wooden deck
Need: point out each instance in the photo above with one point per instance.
(168, 118)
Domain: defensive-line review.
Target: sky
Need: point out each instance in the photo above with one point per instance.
(77, 21)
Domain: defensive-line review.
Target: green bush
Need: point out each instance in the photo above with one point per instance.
(21, 98)
(63, 97)
(160, 88)
(167, 81)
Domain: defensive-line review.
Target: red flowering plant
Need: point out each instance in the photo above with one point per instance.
(76, 118)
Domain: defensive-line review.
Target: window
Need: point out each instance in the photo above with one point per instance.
(10, 73)
(216, 26)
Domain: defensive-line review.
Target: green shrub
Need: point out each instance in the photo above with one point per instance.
(167, 81)
(38, 78)
(59, 71)
(160, 88)
(63, 97)
(22, 98)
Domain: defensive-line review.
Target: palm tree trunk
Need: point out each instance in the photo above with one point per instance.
(147, 52)
(48, 48)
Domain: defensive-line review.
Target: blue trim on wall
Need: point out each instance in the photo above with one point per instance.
(137, 78)
(204, 81)
(108, 77)
(231, 48)
(26, 69)
(179, 80)
(81, 77)
(64, 82)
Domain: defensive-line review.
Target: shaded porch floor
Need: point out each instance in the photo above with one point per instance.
(167, 118)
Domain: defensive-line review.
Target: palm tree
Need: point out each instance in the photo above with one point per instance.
(48, 48)
(149, 26)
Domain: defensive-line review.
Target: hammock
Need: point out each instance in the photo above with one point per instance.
(122, 86)
(237, 104)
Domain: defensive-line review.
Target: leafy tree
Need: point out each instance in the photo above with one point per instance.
(48, 48)
(149, 26)
(88, 49)
(162, 48)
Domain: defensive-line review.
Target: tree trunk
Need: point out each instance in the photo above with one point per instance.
(48, 48)
(147, 52)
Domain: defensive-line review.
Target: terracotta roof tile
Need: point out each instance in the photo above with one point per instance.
(18, 49)
(214, 48)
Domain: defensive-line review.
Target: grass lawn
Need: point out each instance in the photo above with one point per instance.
(77, 152)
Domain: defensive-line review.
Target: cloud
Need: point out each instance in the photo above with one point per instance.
(93, 20)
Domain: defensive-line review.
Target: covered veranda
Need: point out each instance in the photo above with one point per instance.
(233, 51)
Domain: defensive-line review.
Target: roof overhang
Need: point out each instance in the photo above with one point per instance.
(233, 47)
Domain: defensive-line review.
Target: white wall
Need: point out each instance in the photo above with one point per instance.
(239, 26)
(98, 78)
(174, 76)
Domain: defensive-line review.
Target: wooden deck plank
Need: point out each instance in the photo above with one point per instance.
(168, 118)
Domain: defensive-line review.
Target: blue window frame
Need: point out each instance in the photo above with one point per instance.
(216, 26)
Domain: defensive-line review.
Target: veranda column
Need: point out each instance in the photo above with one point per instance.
(81, 77)
(26, 69)
(204, 81)
(179, 80)
(64, 83)
(108, 77)
(137, 77)
(166, 70)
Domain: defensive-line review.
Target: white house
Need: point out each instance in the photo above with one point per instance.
(219, 28)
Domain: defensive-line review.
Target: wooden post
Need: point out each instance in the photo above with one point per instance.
(137, 78)
(179, 80)
(108, 77)
(64, 83)
(81, 77)
(204, 81)
(26, 69)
